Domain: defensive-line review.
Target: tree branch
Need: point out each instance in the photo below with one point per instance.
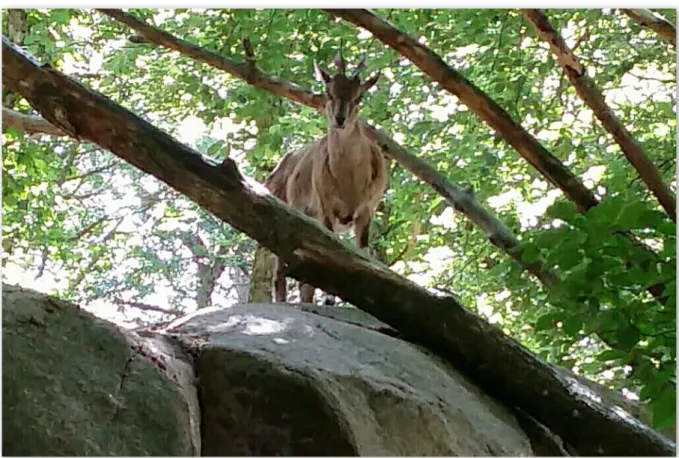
(316, 256)
(657, 23)
(591, 95)
(498, 234)
(477, 101)
(148, 307)
(490, 112)
(28, 124)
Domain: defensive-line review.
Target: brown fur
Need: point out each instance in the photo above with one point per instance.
(340, 178)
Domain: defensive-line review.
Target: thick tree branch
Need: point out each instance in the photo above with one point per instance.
(314, 255)
(477, 101)
(489, 111)
(28, 124)
(657, 23)
(592, 96)
(498, 234)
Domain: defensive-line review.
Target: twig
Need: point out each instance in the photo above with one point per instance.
(654, 21)
(592, 96)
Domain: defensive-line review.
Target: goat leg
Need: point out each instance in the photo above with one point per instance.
(279, 285)
(362, 230)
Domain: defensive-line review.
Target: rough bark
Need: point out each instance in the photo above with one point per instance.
(314, 255)
(261, 276)
(28, 124)
(592, 96)
(477, 101)
(498, 234)
(658, 24)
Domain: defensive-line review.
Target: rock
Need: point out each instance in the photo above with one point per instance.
(76, 385)
(276, 380)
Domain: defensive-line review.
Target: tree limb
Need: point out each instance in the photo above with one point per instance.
(657, 23)
(490, 112)
(316, 256)
(148, 307)
(28, 124)
(498, 234)
(477, 101)
(591, 95)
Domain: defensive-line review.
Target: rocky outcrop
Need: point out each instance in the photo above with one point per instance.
(75, 385)
(277, 380)
(255, 379)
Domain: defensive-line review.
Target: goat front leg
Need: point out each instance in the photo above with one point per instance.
(362, 231)
(279, 286)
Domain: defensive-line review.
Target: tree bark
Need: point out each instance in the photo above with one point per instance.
(314, 255)
(261, 276)
(28, 124)
(591, 95)
(658, 24)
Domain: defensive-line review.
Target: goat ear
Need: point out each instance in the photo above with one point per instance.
(321, 74)
(370, 82)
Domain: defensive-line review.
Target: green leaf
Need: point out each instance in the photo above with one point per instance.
(664, 408)
(630, 216)
(572, 325)
(530, 253)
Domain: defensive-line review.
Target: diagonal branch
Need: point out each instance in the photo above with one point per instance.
(489, 111)
(590, 93)
(498, 234)
(477, 101)
(148, 307)
(316, 256)
(654, 21)
(28, 124)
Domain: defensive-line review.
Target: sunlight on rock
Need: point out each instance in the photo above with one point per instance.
(253, 325)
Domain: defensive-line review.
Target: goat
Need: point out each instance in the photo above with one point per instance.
(338, 179)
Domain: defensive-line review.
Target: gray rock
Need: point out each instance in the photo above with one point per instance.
(76, 385)
(276, 380)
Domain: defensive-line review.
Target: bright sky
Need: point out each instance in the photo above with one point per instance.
(192, 128)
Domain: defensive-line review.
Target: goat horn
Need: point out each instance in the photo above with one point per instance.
(339, 59)
(359, 68)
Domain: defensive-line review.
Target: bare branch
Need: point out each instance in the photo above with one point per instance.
(28, 124)
(489, 111)
(592, 96)
(148, 307)
(477, 101)
(654, 21)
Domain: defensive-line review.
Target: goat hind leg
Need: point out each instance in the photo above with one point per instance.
(279, 284)
(306, 293)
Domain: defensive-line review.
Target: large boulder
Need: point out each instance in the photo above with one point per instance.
(76, 385)
(278, 380)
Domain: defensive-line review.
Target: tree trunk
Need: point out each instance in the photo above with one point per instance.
(261, 277)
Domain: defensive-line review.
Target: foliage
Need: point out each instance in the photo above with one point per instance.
(114, 235)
